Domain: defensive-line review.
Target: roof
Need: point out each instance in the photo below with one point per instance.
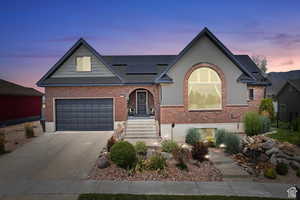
(295, 83)
(9, 88)
(278, 80)
(147, 69)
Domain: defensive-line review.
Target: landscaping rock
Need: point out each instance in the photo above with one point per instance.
(283, 155)
(263, 157)
(287, 148)
(103, 162)
(296, 158)
(295, 165)
(273, 159)
(150, 152)
(269, 144)
(283, 160)
(167, 156)
(272, 151)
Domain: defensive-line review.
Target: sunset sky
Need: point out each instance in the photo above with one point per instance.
(35, 34)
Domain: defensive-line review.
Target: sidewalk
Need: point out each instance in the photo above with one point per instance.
(69, 190)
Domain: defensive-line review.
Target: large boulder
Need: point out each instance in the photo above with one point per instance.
(272, 151)
(295, 165)
(273, 159)
(269, 144)
(167, 156)
(287, 148)
(103, 162)
(263, 157)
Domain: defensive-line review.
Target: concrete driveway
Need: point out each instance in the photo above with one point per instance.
(62, 156)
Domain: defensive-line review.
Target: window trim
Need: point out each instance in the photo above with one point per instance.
(188, 75)
(76, 64)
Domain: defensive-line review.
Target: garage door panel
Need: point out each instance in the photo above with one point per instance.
(84, 114)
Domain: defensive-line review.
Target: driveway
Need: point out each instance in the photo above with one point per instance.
(62, 156)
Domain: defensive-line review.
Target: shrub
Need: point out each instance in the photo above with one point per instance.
(252, 123)
(265, 124)
(182, 166)
(220, 136)
(123, 154)
(181, 154)
(199, 151)
(140, 148)
(110, 143)
(193, 136)
(232, 142)
(282, 169)
(156, 162)
(270, 173)
(298, 172)
(296, 124)
(29, 131)
(266, 105)
(168, 146)
(210, 141)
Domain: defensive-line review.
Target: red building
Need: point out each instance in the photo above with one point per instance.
(19, 104)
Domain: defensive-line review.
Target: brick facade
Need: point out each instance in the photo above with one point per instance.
(120, 95)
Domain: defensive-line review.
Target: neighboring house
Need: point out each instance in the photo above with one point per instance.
(288, 100)
(278, 79)
(204, 86)
(18, 104)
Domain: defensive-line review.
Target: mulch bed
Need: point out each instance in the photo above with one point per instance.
(204, 171)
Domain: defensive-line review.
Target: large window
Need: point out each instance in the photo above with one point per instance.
(204, 90)
(83, 64)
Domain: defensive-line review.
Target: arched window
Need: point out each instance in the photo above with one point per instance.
(204, 90)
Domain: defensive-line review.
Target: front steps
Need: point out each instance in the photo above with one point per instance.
(142, 129)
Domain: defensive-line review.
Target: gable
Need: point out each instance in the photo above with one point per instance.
(68, 68)
(204, 51)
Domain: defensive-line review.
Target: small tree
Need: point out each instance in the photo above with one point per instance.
(266, 105)
(261, 62)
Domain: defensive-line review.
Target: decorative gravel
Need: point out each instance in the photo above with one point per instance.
(204, 171)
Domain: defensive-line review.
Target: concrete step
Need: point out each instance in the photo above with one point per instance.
(150, 142)
(141, 123)
(141, 129)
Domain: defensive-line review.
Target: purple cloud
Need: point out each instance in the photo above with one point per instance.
(284, 40)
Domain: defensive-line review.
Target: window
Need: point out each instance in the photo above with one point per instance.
(204, 90)
(83, 64)
(251, 94)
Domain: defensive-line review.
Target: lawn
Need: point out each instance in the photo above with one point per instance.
(286, 135)
(164, 197)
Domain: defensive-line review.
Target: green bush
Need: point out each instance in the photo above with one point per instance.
(282, 169)
(232, 142)
(182, 166)
(168, 146)
(252, 123)
(123, 154)
(110, 143)
(199, 151)
(193, 136)
(140, 148)
(29, 131)
(266, 105)
(270, 173)
(156, 162)
(298, 172)
(265, 124)
(296, 124)
(220, 136)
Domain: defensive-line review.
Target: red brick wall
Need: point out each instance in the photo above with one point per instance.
(119, 94)
(180, 114)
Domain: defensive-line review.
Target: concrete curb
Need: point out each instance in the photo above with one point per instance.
(70, 187)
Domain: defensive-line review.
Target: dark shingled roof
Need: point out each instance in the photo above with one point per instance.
(147, 69)
(9, 88)
(295, 83)
(278, 80)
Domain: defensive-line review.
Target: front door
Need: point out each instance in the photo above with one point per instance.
(141, 103)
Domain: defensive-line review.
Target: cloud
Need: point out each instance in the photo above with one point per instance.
(284, 40)
(289, 62)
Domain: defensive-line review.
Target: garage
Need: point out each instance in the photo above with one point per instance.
(84, 114)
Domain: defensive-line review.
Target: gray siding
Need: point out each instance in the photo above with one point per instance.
(68, 69)
(290, 97)
(204, 51)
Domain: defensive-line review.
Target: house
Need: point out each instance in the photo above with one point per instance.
(18, 104)
(288, 100)
(204, 86)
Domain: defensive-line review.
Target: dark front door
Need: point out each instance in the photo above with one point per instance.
(141, 103)
(84, 114)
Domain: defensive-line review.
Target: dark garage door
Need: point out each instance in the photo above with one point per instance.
(84, 114)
